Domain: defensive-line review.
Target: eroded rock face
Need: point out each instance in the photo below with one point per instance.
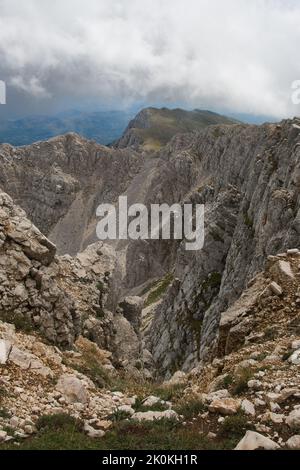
(62, 297)
(248, 179)
(30, 294)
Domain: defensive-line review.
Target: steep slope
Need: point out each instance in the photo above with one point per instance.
(152, 128)
(62, 297)
(248, 179)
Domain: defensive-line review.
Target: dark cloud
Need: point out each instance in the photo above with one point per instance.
(237, 55)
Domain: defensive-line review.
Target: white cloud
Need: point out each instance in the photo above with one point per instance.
(237, 55)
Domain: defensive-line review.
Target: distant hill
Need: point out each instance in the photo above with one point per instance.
(104, 127)
(153, 128)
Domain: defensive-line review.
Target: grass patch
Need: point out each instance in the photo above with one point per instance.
(58, 422)
(139, 407)
(190, 409)
(158, 435)
(159, 289)
(89, 365)
(227, 381)
(234, 427)
(4, 413)
(240, 384)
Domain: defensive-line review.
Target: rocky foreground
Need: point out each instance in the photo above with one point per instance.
(251, 388)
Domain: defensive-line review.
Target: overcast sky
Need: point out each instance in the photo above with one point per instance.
(233, 55)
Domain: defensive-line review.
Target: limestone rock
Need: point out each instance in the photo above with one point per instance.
(72, 389)
(5, 348)
(248, 407)
(225, 406)
(293, 419)
(293, 442)
(155, 415)
(253, 440)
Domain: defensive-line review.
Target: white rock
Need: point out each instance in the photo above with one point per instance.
(293, 419)
(255, 384)
(276, 418)
(151, 401)
(3, 435)
(225, 406)
(93, 433)
(253, 440)
(155, 415)
(73, 389)
(274, 407)
(275, 288)
(126, 409)
(5, 347)
(178, 378)
(296, 344)
(219, 394)
(248, 407)
(295, 358)
(285, 269)
(293, 443)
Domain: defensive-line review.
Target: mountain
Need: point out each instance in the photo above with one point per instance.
(104, 127)
(152, 128)
(213, 332)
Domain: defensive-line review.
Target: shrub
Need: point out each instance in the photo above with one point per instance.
(159, 290)
(190, 408)
(234, 426)
(240, 383)
(58, 422)
(4, 413)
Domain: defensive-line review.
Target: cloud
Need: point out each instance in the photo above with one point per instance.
(236, 55)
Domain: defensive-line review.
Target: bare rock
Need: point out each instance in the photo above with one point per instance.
(253, 441)
(72, 389)
(225, 406)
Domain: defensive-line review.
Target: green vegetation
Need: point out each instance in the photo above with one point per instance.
(90, 366)
(4, 413)
(140, 407)
(159, 289)
(190, 408)
(234, 427)
(164, 123)
(65, 433)
(21, 322)
(58, 422)
(228, 381)
(240, 383)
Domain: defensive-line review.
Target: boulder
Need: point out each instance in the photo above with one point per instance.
(3, 435)
(275, 288)
(294, 442)
(179, 378)
(93, 433)
(248, 407)
(126, 409)
(155, 415)
(5, 348)
(253, 440)
(219, 394)
(293, 419)
(225, 406)
(151, 401)
(72, 389)
(295, 358)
